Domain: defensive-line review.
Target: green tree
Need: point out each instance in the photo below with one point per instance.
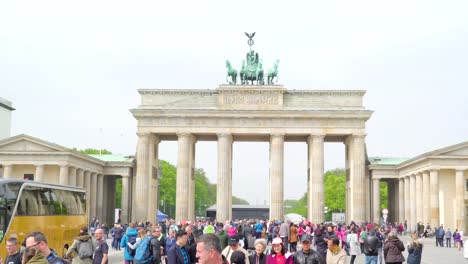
(237, 200)
(93, 151)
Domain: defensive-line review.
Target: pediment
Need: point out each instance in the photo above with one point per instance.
(28, 144)
(455, 150)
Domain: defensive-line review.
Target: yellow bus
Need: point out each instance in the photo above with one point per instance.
(26, 206)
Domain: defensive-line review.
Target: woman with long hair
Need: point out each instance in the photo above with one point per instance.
(354, 246)
(279, 253)
(414, 250)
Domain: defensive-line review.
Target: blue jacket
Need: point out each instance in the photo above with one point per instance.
(124, 241)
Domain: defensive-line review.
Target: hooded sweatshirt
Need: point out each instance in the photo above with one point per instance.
(124, 241)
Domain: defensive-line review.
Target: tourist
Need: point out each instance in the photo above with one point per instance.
(157, 243)
(279, 254)
(223, 236)
(237, 257)
(448, 238)
(335, 254)
(371, 247)
(102, 249)
(82, 258)
(32, 255)
(292, 237)
(209, 250)
(129, 243)
(284, 232)
(307, 255)
(457, 239)
(234, 246)
(170, 239)
(353, 242)
(319, 240)
(39, 242)
(258, 229)
(178, 254)
(393, 248)
(14, 256)
(259, 256)
(414, 250)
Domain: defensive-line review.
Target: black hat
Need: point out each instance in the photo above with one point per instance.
(234, 240)
(180, 233)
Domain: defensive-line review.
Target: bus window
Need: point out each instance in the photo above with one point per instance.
(3, 217)
(57, 210)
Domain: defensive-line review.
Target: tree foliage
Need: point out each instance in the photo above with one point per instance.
(205, 192)
(93, 151)
(335, 195)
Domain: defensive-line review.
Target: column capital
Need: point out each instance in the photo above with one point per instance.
(316, 136)
(277, 135)
(39, 165)
(224, 135)
(434, 170)
(64, 166)
(143, 134)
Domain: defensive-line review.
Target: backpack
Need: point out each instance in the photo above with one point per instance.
(144, 253)
(131, 240)
(85, 249)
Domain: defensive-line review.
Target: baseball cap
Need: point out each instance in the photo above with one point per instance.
(234, 240)
(277, 240)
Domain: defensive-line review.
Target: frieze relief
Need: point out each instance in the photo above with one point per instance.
(256, 98)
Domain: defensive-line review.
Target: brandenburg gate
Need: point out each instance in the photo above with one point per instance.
(248, 112)
(266, 113)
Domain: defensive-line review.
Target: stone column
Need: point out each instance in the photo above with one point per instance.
(224, 175)
(413, 202)
(183, 175)
(143, 176)
(191, 198)
(460, 199)
(426, 198)
(419, 198)
(357, 176)
(72, 176)
(407, 202)
(100, 197)
(401, 200)
(87, 186)
(93, 196)
(276, 176)
(63, 179)
(434, 178)
(376, 199)
(125, 198)
(7, 171)
(153, 167)
(39, 175)
(79, 178)
(316, 197)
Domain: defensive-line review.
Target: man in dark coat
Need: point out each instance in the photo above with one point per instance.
(177, 253)
(371, 247)
(307, 255)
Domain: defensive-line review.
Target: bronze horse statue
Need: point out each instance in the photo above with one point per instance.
(272, 73)
(231, 72)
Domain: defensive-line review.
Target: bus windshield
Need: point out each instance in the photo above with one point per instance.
(8, 196)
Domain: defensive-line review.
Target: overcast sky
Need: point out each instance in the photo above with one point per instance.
(72, 70)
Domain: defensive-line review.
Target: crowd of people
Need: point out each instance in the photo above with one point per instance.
(268, 242)
(234, 242)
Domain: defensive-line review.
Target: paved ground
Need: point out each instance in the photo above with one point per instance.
(431, 254)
